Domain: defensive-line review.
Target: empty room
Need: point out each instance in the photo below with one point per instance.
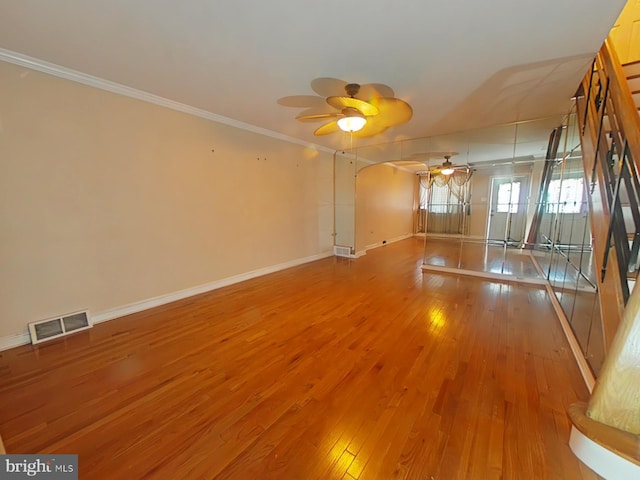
(316, 241)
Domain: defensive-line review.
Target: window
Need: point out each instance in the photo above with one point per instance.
(565, 195)
(508, 197)
(439, 199)
(424, 192)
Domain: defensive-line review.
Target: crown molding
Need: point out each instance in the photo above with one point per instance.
(117, 88)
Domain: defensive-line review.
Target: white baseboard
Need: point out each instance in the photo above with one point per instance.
(602, 461)
(17, 340)
(387, 242)
(190, 292)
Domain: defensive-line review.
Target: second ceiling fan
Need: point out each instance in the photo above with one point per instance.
(447, 168)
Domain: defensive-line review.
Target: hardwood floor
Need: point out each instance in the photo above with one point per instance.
(479, 256)
(337, 369)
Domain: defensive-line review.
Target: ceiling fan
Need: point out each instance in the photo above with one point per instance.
(359, 117)
(447, 168)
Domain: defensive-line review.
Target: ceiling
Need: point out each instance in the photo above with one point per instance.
(460, 67)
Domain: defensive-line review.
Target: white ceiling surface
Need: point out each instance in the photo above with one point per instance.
(460, 65)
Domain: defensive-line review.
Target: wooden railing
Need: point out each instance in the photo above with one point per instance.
(610, 144)
(611, 150)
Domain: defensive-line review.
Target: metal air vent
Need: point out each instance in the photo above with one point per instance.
(341, 251)
(57, 327)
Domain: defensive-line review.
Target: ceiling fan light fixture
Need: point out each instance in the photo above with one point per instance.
(447, 168)
(352, 122)
(351, 114)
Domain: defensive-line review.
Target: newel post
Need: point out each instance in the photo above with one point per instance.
(616, 397)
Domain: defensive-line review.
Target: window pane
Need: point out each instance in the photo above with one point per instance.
(565, 195)
(515, 197)
(508, 195)
(439, 199)
(553, 194)
(571, 195)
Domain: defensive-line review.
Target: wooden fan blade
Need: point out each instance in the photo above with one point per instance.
(371, 128)
(327, 128)
(393, 111)
(317, 116)
(341, 103)
(369, 91)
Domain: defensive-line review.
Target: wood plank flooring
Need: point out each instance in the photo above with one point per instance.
(479, 256)
(337, 369)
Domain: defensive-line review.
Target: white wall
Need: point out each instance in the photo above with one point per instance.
(106, 201)
(384, 205)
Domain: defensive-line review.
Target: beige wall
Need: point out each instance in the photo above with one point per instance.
(384, 205)
(106, 200)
